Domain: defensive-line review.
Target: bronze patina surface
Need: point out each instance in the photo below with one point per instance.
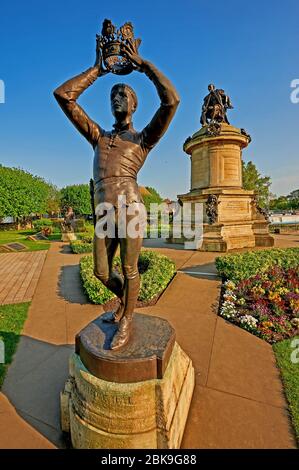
(111, 41)
(118, 156)
(215, 106)
(145, 356)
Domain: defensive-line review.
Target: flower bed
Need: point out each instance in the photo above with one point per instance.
(156, 271)
(266, 304)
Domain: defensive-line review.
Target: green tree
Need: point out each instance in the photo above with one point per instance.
(22, 194)
(152, 197)
(280, 203)
(53, 202)
(253, 180)
(284, 203)
(293, 198)
(294, 203)
(76, 196)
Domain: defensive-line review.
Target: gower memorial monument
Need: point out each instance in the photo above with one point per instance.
(231, 216)
(130, 383)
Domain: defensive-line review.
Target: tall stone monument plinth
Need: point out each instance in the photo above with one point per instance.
(231, 217)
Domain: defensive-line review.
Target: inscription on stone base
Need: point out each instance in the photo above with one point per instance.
(143, 415)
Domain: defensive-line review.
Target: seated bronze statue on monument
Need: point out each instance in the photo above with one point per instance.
(215, 106)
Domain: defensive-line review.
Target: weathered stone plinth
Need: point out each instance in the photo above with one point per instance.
(100, 413)
(231, 218)
(216, 160)
(68, 236)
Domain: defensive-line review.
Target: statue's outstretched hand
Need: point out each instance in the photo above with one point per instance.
(130, 50)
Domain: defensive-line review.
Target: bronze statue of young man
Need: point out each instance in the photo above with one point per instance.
(119, 155)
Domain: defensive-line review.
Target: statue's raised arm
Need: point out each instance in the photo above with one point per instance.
(68, 93)
(169, 97)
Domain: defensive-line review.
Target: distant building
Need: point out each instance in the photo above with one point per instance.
(7, 220)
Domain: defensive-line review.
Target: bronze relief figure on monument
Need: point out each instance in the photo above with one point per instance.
(231, 218)
(123, 359)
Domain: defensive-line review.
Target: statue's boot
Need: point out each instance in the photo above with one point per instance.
(116, 285)
(123, 333)
(131, 290)
(114, 317)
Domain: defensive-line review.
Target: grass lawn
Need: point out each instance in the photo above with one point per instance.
(12, 318)
(290, 375)
(20, 236)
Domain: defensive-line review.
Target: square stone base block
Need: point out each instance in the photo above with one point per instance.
(238, 224)
(142, 415)
(68, 237)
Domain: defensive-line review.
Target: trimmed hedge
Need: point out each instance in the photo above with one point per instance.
(237, 267)
(42, 224)
(52, 225)
(156, 271)
(81, 246)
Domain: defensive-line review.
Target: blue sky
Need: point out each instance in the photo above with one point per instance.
(248, 48)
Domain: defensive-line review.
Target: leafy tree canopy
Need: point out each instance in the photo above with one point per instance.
(152, 197)
(76, 196)
(253, 180)
(284, 203)
(22, 194)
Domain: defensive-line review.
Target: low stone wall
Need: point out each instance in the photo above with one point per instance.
(284, 228)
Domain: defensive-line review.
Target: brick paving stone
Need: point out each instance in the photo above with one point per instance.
(19, 274)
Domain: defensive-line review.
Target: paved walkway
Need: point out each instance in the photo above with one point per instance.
(19, 273)
(238, 400)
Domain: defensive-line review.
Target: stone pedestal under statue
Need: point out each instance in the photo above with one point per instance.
(231, 217)
(68, 236)
(135, 397)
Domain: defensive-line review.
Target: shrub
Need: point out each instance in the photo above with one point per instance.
(40, 224)
(237, 267)
(89, 228)
(86, 238)
(47, 225)
(81, 246)
(79, 225)
(156, 271)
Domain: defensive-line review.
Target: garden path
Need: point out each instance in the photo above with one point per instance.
(238, 400)
(19, 274)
